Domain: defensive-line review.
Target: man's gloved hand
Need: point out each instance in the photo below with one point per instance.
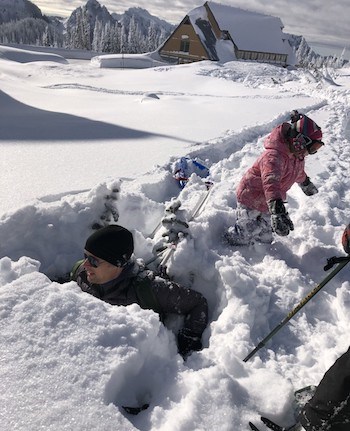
(308, 187)
(346, 239)
(280, 221)
(187, 342)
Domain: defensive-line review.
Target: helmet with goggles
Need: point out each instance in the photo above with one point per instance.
(307, 135)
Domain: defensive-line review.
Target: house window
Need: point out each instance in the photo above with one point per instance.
(185, 45)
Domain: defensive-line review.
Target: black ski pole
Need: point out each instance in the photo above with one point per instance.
(342, 261)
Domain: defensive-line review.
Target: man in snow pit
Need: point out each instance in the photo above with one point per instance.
(329, 408)
(262, 190)
(110, 273)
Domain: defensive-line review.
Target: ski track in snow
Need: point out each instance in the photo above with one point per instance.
(75, 86)
(228, 166)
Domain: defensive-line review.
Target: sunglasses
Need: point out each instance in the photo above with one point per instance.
(93, 261)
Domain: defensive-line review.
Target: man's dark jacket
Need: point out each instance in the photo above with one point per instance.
(150, 292)
(329, 409)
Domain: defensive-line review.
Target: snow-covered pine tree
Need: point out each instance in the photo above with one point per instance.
(115, 39)
(133, 43)
(96, 44)
(85, 30)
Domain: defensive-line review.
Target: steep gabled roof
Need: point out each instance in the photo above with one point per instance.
(250, 31)
(217, 26)
(200, 23)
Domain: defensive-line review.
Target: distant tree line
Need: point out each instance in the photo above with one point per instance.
(32, 31)
(307, 58)
(110, 37)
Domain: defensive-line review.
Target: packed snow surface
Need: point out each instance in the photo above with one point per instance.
(70, 133)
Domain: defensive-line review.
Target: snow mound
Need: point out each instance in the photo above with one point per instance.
(25, 56)
(129, 61)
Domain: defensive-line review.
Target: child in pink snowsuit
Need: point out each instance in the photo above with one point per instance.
(263, 188)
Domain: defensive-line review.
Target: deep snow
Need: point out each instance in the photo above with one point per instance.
(70, 132)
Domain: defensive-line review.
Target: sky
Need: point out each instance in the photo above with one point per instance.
(71, 133)
(313, 19)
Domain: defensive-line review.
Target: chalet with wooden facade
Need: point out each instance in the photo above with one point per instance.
(223, 33)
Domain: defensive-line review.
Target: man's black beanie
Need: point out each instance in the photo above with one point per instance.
(113, 244)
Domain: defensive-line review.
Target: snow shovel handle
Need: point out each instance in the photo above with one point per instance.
(341, 263)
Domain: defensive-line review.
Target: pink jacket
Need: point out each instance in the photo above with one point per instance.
(272, 174)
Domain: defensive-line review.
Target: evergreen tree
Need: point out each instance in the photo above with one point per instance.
(152, 37)
(134, 39)
(106, 44)
(97, 36)
(46, 39)
(30, 31)
(115, 39)
(85, 30)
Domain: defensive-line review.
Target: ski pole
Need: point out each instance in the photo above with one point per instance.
(342, 261)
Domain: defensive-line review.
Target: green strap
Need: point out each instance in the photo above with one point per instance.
(74, 270)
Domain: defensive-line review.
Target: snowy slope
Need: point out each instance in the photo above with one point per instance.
(71, 133)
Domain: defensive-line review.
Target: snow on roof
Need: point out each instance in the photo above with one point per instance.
(251, 31)
(198, 13)
(199, 20)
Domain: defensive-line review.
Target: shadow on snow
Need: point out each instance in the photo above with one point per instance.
(20, 122)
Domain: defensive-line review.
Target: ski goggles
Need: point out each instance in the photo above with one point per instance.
(93, 261)
(314, 147)
(302, 142)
